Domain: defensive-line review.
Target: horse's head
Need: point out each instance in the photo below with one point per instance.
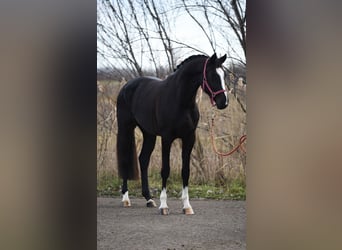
(213, 81)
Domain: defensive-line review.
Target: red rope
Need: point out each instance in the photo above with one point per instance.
(240, 144)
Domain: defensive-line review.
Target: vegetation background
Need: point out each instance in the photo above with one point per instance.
(143, 37)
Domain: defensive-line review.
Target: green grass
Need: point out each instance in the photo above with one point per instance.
(232, 190)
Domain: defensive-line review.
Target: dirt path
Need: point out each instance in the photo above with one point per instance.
(215, 225)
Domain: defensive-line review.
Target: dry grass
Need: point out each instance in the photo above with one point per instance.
(206, 166)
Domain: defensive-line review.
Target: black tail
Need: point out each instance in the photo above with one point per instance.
(126, 149)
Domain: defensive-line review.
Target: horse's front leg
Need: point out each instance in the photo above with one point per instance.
(165, 172)
(188, 143)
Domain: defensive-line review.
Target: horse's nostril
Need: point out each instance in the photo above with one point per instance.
(223, 106)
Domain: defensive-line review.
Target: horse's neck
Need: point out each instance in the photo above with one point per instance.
(188, 88)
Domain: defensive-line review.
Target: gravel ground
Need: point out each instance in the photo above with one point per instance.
(215, 225)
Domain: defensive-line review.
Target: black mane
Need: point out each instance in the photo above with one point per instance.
(190, 58)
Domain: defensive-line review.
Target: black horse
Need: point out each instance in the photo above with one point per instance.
(166, 108)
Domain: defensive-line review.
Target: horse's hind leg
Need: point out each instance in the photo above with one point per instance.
(125, 199)
(188, 144)
(144, 160)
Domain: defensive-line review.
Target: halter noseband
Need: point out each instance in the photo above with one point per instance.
(205, 84)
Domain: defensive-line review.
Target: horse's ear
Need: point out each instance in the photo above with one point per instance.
(213, 59)
(221, 60)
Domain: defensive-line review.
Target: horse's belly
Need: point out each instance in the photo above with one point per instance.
(183, 127)
(147, 125)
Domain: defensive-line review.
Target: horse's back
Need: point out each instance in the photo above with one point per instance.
(139, 97)
(128, 91)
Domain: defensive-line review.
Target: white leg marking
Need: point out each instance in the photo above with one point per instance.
(151, 203)
(125, 200)
(187, 209)
(163, 198)
(185, 198)
(220, 72)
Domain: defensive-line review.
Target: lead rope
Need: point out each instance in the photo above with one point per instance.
(240, 144)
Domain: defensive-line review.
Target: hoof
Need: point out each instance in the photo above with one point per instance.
(164, 211)
(151, 203)
(126, 203)
(188, 211)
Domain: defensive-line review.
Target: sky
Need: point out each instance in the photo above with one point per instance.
(185, 29)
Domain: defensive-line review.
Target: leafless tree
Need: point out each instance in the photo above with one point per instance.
(220, 18)
(235, 15)
(116, 33)
(161, 24)
(130, 30)
(144, 33)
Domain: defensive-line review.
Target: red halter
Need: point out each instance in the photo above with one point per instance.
(206, 85)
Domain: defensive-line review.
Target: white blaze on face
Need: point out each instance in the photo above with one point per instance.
(220, 72)
(163, 198)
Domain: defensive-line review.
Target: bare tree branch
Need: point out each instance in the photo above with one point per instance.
(133, 32)
(165, 39)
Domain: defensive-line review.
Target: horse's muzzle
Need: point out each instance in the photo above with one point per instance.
(223, 106)
(221, 102)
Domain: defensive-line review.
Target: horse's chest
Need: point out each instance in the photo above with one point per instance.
(184, 124)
